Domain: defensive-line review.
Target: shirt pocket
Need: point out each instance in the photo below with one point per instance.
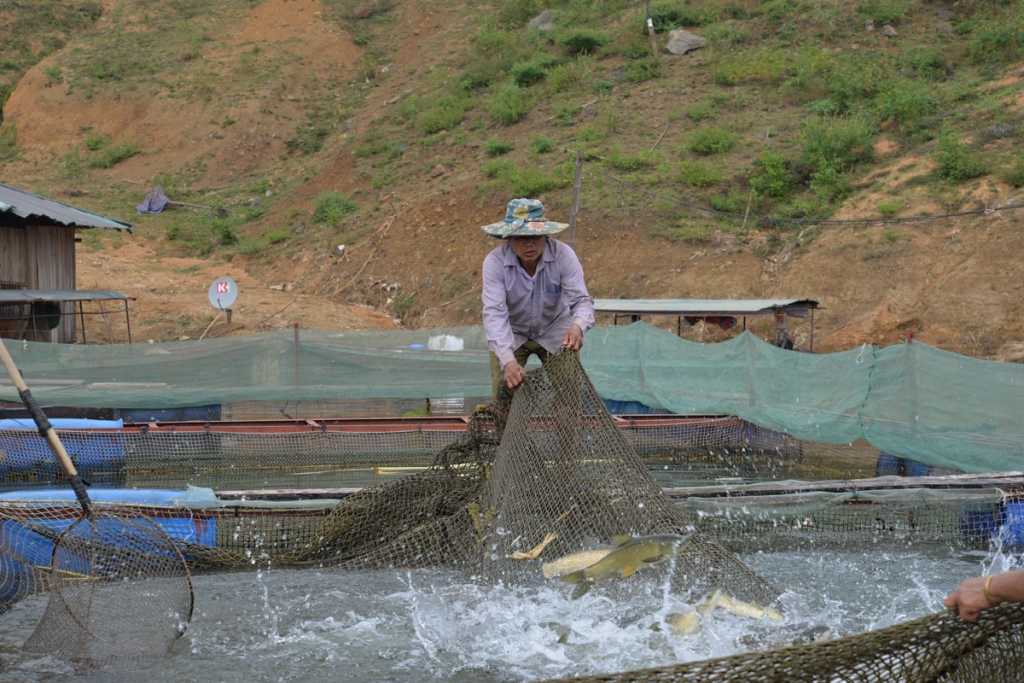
(553, 302)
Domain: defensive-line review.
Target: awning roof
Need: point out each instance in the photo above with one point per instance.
(699, 308)
(13, 296)
(26, 205)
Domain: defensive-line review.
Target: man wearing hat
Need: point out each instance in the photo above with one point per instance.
(535, 299)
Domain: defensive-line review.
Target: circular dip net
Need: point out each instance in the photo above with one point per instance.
(120, 592)
(537, 481)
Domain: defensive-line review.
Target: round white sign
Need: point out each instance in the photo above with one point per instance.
(223, 292)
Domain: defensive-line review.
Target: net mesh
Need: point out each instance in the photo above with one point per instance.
(938, 647)
(677, 450)
(551, 471)
(552, 465)
(894, 397)
(120, 591)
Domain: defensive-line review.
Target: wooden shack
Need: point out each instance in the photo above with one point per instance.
(37, 252)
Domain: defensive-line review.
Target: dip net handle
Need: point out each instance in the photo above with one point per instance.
(119, 588)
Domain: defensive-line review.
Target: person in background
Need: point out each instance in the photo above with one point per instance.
(535, 299)
(983, 592)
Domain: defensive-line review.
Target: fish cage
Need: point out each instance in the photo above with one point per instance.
(490, 494)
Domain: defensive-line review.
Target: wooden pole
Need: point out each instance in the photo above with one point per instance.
(650, 30)
(296, 355)
(575, 198)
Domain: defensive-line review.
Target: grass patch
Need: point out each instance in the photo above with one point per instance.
(108, 155)
(509, 105)
(497, 148)
(957, 162)
(330, 207)
(711, 141)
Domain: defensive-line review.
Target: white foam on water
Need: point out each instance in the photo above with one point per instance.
(405, 627)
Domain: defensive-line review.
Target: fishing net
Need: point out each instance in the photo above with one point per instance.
(938, 647)
(119, 591)
(540, 477)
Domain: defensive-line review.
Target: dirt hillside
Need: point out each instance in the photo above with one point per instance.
(415, 258)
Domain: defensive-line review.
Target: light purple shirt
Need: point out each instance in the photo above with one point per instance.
(518, 307)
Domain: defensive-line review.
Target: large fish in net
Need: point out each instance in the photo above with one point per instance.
(539, 476)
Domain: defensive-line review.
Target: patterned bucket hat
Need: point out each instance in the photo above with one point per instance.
(522, 219)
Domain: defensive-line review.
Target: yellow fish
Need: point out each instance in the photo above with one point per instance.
(535, 552)
(573, 562)
(750, 610)
(684, 624)
(628, 557)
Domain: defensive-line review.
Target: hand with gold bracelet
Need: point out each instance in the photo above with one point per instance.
(983, 592)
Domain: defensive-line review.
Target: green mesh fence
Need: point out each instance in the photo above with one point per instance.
(910, 400)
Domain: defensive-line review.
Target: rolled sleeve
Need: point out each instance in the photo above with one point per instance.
(497, 326)
(581, 304)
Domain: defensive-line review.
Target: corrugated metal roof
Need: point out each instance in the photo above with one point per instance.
(737, 308)
(26, 205)
(20, 296)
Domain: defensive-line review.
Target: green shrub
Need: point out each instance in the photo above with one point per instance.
(201, 239)
(497, 148)
(762, 66)
(772, 177)
(524, 181)
(565, 76)
(383, 178)
(637, 47)
(667, 16)
(688, 230)
(590, 133)
(824, 107)
(310, 136)
(889, 207)
(95, 141)
(509, 105)
(1013, 175)
(8, 141)
(928, 61)
(541, 144)
(445, 113)
(731, 202)
(728, 33)
(701, 111)
(956, 161)
(526, 74)
(777, 10)
(841, 142)
(906, 101)
(997, 41)
(882, 12)
(330, 207)
(696, 174)
(581, 41)
(708, 141)
(277, 236)
(628, 162)
(111, 155)
(498, 168)
(53, 75)
(481, 73)
(641, 70)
